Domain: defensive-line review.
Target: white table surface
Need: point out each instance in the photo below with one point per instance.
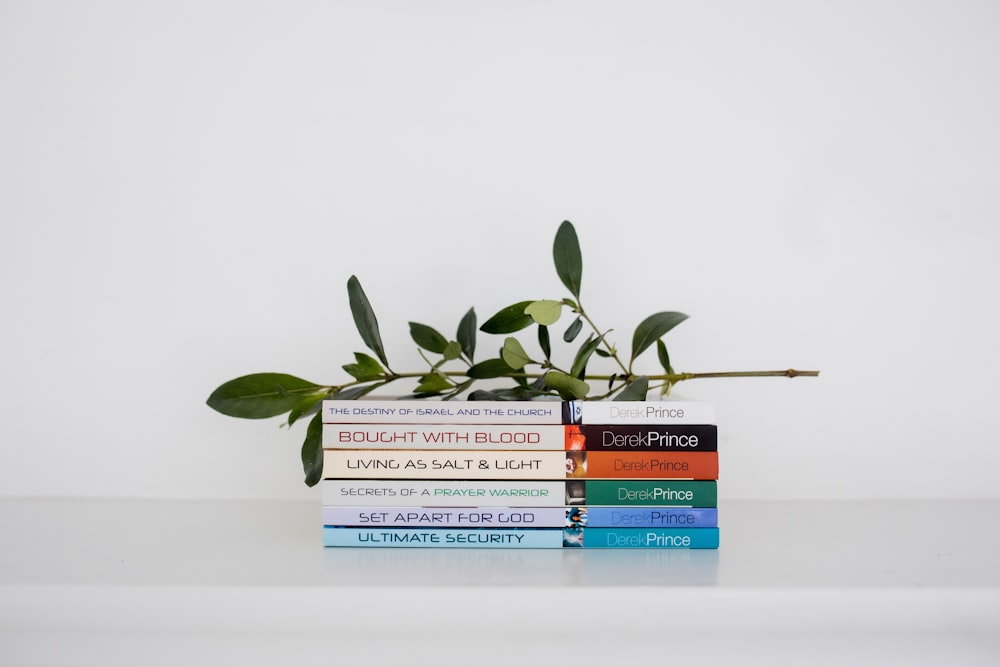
(139, 582)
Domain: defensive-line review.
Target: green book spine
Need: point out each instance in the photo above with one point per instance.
(665, 492)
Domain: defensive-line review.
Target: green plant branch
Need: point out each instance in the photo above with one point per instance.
(608, 346)
(264, 395)
(671, 378)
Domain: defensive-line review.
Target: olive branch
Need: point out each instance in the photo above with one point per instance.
(264, 395)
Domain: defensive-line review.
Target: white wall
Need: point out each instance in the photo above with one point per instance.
(185, 188)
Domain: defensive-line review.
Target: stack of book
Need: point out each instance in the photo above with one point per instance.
(541, 474)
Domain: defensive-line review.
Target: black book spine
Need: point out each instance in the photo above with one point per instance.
(653, 437)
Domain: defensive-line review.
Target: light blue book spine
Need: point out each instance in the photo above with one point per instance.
(540, 538)
(650, 538)
(652, 517)
(475, 538)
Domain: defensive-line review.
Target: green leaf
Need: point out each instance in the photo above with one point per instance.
(428, 337)
(491, 368)
(513, 353)
(538, 384)
(569, 388)
(466, 334)
(573, 331)
(351, 393)
(545, 312)
(306, 406)
(544, 342)
(364, 318)
(483, 395)
(661, 352)
(511, 394)
(459, 388)
(569, 262)
(635, 390)
(509, 319)
(651, 328)
(366, 368)
(452, 350)
(261, 395)
(433, 383)
(312, 451)
(583, 355)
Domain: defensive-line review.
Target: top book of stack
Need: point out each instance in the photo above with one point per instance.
(517, 412)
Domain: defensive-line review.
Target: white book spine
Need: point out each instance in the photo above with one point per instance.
(646, 412)
(446, 517)
(442, 412)
(444, 436)
(518, 412)
(462, 464)
(445, 493)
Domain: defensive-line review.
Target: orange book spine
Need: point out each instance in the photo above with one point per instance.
(646, 465)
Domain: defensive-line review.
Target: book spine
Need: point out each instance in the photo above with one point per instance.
(623, 437)
(445, 517)
(463, 493)
(445, 412)
(546, 437)
(652, 517)
(364, 411)
(644, 465)
(670, 493)
(541, 538)
(520, 517)
(650, 538)
(468, 538)
(476, 464)
(463, 464)
(447, 493)
(646, 412)
(650, 437)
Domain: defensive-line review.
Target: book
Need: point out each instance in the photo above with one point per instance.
(446, 517)
(521, 517)
(521, 493)
(673, 493)
(651, 517)
(648, 437)
(646, 538)
(541, 538)
(522, 538)
(551, 437)
(644, 412)
(644, 465)
(459, 464)
(624, 437)
(474, 464)
(365, 411)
